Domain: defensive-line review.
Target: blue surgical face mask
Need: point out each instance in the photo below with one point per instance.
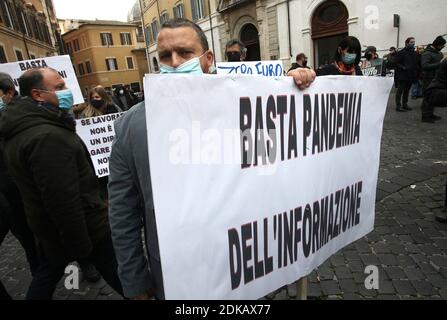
(65, 98)
(191, 66)
(349, 58)
(411, 46)
(2, 104)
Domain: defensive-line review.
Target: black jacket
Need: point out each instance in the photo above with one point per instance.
(436, 93)
(390, 61)
(430, 62)
(332, 70)
(50, 165)
(407, 65)
(7, 186)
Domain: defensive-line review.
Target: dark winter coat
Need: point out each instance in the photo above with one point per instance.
(51, 167)
(407, 65)
(430, 62)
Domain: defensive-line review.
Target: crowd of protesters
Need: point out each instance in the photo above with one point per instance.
(51, 200)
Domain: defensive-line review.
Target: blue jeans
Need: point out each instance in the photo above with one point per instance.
(416, 89)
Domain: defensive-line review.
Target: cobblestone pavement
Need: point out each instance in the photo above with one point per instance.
(407, 245)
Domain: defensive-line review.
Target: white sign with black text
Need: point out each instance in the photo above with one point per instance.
(62, 64)
(98, 134)
(257, 183)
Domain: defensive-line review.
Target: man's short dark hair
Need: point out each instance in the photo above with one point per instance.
(233, 42)
(32, 79)
(439, 41)
(300, 56)
(184, 23)
(6, 83)
(392, 48)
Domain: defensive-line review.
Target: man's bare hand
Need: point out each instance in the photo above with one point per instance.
(303, 77)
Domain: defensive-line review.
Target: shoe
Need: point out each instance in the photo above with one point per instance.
(435, 117)
(428, 120)
(442, 216)
(399, 109)
(91, 274)
(407, 108)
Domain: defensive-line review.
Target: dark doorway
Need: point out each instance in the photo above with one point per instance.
(329, 27)
(249, 36)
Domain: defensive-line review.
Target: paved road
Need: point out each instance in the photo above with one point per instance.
(407, 245)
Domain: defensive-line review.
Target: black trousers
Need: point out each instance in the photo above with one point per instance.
(427, 109)
(48, 274)
(437, 97)
(12, 218)
(403, 89)
(4, 295)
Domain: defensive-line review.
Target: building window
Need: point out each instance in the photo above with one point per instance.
(81, 69)
(18, 20)
(19, 54)
(25, 24)
(198, 10)
(88, 66)
(179, 11)
(69, 47)
(164, 17)
(129, 62)
(7, 13)
(76, 45)
(106, 39)
(126, 39)
(148, 36)
(154, 27)
(111, 64)
(34, 27)
(155, 62)
(3, 58)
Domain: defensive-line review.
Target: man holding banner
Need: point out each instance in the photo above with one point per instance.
(182, 48)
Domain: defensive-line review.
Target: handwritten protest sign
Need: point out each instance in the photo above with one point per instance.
(259, 182)
(62, 64)
(264, 68)
(375, 68)
(98, 134)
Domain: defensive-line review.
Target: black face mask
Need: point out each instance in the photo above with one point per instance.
(305, 63)
(369, 56)
(233, 56)
(97, 104)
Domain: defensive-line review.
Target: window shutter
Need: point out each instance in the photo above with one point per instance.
(108, 65)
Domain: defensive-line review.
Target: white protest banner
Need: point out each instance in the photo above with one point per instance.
(263, 68)
(98, 134)
(257, 183)
(62, 64)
